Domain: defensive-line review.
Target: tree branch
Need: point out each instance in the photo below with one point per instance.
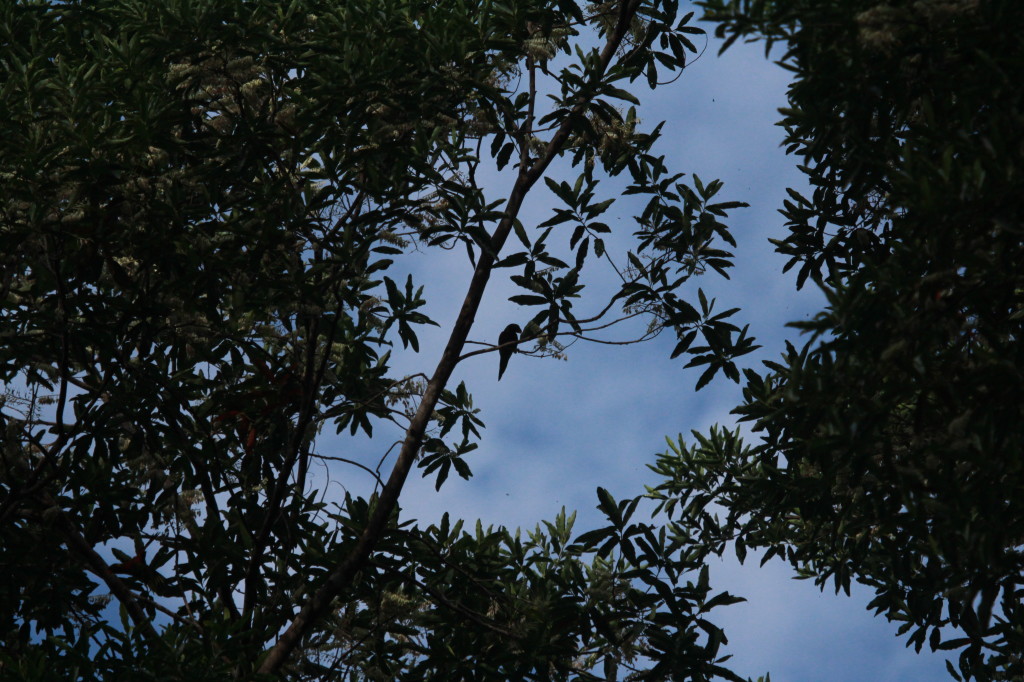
(77, 543)
(319, 603)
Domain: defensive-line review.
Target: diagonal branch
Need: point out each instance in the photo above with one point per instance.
(319, 603)
(78, 544)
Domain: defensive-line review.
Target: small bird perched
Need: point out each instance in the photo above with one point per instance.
(507, 341)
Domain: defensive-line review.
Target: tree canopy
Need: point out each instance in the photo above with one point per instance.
(205, 205)
(891, 443)
(210, 212)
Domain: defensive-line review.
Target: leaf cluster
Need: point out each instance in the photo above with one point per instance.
(890, 442)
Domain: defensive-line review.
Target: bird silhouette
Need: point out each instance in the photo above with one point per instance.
(507, 342)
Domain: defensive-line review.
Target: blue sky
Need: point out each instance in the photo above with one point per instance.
(558, 429)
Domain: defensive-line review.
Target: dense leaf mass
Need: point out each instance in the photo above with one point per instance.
(892, 446)
(204, 207)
